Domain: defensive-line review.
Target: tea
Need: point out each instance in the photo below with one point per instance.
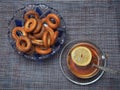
(86, 69)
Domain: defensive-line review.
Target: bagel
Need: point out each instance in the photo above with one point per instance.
(18, 29)
(38, 27)
(33, 13)
(55, 37)
(51, 32)
(41, 51)
(49, 21)
(30, 25)
(27, 44)
(39, 35)
(37, 42)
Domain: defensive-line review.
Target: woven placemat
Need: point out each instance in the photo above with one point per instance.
(97, 21)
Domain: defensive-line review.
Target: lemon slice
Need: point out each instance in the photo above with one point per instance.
(81, 55)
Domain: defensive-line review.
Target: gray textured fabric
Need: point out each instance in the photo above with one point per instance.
(94, 20)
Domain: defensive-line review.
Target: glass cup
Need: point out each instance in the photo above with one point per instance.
(84, 71)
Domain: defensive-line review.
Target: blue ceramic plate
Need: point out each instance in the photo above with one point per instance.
(43, 10)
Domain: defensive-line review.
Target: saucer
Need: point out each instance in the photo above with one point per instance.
(95, 75)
